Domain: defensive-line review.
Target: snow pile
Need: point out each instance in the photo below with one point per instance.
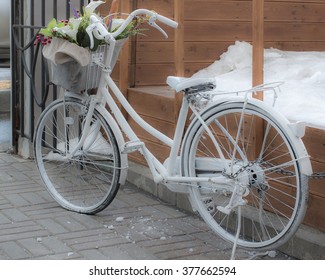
(302, 97)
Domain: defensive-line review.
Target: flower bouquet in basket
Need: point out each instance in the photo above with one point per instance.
(67, 47)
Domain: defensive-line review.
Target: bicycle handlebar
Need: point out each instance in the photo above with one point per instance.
(99, 30)
(167, 21)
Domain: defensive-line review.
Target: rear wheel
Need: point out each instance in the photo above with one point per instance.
(88, 181)
(263, 161)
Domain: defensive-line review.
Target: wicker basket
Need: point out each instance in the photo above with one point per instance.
(74, 77)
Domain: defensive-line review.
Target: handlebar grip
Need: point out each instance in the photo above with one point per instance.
(167, 21)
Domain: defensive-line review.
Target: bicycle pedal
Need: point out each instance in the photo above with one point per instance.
(130, 147)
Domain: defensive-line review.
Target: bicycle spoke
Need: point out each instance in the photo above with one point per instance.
(88, 180)
(267, 167)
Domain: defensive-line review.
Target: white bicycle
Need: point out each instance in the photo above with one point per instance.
(250, 188)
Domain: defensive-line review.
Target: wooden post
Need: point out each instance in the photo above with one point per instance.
(124, 55)
(258, 64)
(179, 49)
(124, 59)
(179, 38)
(258, 45)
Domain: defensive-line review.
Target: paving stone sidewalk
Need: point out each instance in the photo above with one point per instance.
(135, 226)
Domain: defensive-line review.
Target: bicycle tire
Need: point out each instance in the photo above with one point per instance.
(87, 182)
(278, 191)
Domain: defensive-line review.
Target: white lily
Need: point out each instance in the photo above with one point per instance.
(69, 30)
(74, 24)
(91, 7)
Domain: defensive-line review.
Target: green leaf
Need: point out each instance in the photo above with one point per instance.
(53, 23)
(45, 32)
(85, 41)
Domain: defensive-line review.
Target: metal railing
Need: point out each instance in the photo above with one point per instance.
(31, 89)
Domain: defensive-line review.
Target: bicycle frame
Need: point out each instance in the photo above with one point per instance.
(161, 173)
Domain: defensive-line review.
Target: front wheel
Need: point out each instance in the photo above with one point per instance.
(259, 155)
(87, 181)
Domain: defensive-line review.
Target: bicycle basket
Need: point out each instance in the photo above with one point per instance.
(74, 68)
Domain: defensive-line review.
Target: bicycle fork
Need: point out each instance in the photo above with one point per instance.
(86, 128)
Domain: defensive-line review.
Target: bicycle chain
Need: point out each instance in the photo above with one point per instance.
(314, 176)
(317, 176)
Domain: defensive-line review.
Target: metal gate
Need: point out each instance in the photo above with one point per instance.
(31, 89)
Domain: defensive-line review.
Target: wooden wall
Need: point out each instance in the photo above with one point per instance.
(154, 53)
(314, 141)
(210, 26)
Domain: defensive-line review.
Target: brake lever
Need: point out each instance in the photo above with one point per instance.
(152, 22)
(89, 31)
(155, 25)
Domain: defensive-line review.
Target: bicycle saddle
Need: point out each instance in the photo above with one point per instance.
(180, 83)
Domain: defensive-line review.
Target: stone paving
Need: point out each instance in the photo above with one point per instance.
(135, 226)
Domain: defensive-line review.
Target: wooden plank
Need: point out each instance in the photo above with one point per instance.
(205, 51)
(294, 11)
(164, 8)
(162, 52)
(155, 52)
(316, 187)
(315, 215)
(213, 31)
(297, 46)
(305, 1)
(208, 52)
(153, 74)
(161, 125)
(239, 30)
(314, 141)
(192, 68)
(157, 102)
(296, 32)
(218, 10)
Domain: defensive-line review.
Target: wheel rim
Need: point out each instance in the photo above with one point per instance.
(274, 200)
(87, 181)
